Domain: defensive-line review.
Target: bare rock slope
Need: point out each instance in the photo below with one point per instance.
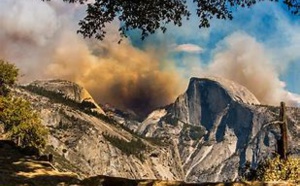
(90, 143)
(206, 135)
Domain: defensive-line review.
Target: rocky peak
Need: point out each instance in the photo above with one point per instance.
(208, 98)
(217, 125)
(206, 135)
(68, 90)
(221, 88)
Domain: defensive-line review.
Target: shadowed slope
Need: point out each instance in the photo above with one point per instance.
(19, 169)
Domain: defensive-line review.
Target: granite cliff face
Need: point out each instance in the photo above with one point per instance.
(210, 131)
(218, 125)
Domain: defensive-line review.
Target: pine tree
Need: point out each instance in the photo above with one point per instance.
(8, 76)
(20, 122)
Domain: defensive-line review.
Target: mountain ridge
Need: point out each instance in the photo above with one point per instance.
(227, 122)
(214, 127)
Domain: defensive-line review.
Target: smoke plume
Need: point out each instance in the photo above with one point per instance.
(43, 44)
(121, 75)
(244, 60)
(117, 74)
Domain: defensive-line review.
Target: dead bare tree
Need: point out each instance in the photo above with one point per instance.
(282, 143)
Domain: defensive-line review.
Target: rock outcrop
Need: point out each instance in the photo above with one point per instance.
(68, 90)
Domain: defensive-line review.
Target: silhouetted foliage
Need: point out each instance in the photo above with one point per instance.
(151, 15)
(88, 104)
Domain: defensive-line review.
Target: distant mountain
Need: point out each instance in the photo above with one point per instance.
(217, 126)
(91, 142)
(210, 131)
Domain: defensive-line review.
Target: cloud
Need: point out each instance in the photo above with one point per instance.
(243, 59)
(256, 54)
(20, 23)
(294, 97)
(189, 48)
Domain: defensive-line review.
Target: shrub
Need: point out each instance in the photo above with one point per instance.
(21, 123)
(277, 169)
(8, 76)
(274, 169)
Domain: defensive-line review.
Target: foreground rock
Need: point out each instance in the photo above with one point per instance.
(19, 169)
(114, 181)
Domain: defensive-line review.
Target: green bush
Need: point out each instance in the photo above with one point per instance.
(8, 76)
(21, 123)
(274, 169)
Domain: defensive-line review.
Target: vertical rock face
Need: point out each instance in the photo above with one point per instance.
(206, 99)
(217, 125)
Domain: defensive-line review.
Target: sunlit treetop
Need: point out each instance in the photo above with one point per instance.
(149, 16)
(8, 76)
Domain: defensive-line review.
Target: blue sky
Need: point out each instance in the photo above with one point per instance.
(270, 23)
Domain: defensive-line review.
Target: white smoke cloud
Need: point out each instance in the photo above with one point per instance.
(21, 20)
(27, 31)
(241, 58)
